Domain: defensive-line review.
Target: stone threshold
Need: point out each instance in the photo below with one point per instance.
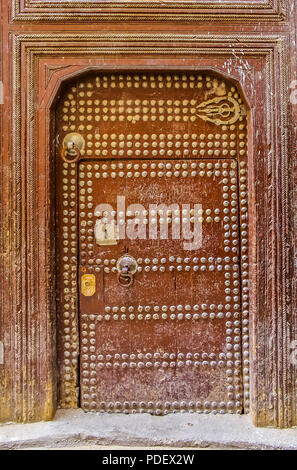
(74, 428)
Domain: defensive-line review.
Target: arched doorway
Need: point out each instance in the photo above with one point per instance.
(152, 256)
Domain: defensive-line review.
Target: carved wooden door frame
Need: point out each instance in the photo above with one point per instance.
(39, 63)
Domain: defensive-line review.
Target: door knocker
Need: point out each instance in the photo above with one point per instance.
(127, 267)
(73, 144)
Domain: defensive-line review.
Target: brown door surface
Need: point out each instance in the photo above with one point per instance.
(144, 162)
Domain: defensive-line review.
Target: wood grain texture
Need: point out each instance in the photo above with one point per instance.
(261, 58)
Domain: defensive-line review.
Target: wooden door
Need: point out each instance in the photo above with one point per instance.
(46, 49)
(147, 176)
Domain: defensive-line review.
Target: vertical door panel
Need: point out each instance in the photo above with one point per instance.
(163, 340)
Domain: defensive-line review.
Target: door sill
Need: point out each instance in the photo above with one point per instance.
(75, 428)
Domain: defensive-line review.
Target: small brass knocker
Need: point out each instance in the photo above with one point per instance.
(73, 143)
(127, 267)
(70, 153)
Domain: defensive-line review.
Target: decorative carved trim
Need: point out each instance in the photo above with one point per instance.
(51, 69)
(153, 10)
(271, 311)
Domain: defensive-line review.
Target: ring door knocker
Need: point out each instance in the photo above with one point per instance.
(73, 143)
(127, 267)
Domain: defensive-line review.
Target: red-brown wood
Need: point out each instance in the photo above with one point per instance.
(38, 54)
(172, 339)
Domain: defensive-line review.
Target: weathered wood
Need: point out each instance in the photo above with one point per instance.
(256, 48)
(142, 159)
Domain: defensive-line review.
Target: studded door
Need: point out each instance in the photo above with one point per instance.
(149, 251)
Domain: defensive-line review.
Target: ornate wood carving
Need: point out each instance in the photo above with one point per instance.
(153, 10)
(263, 62)
(51, 69)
